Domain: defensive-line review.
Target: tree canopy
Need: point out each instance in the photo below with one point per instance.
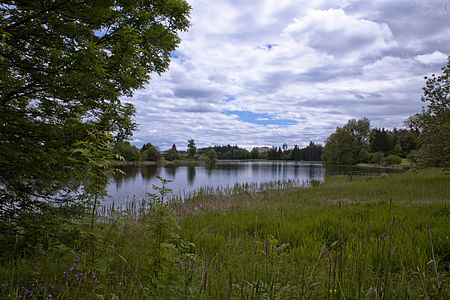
(349, 144)
(433, 124)
(64, 66)
(192, 149)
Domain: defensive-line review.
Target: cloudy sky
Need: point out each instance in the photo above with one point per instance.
(268, 72)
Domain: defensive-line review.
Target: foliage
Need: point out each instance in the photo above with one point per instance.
(231, 152)
(64, 66)
(143, 257)
(433, 124)
(305, 244)
(392, 160)
(150, 153)
(349, 144)
(378, 157)
(369, 238)
(192, 150)
(210, 156)
(127, 151)
(398, 141)
(254, 154)
(172, 154)
(312, 152)
(274, 153)
(380, 140)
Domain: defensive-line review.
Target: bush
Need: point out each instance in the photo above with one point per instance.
(392, 160)
(377, 157)
(171, 155)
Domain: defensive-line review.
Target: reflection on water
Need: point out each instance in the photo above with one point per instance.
(191, 174)
(136, 181)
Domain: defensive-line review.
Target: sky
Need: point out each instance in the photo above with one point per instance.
(268, 72)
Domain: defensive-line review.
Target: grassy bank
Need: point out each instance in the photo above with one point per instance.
(369, 238)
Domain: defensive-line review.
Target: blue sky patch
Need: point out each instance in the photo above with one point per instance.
(178, 55)
(261, 119)
(229, 98)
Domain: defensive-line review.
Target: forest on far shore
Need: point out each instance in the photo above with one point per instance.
(381, 146)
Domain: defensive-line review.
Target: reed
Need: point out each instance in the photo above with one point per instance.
(346, 238)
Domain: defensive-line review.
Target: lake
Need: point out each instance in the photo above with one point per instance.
(137, 181)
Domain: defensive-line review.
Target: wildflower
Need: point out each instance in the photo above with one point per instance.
(50, 296)
(71, 268)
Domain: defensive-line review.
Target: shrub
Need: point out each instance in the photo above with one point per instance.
(377, 157)
(392, 160)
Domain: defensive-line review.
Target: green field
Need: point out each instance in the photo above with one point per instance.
(369, 238)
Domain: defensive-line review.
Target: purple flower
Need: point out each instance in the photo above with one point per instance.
(50, 296)
(71, 268)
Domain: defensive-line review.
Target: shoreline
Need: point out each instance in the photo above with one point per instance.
(201, 162)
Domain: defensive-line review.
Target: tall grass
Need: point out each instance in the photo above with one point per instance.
(364, 238)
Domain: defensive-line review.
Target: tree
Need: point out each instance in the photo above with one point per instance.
(64, 66)
(313, 152)
(433, 124)
(378, 157)
(191, 149)
(127, 151)
(172, 154)
(349, 144)
(296, 153)
(392, 160)
(210, 156)
(150, 153)
(379, 141)
(254, 154)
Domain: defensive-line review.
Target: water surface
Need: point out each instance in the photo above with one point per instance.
(137, 181)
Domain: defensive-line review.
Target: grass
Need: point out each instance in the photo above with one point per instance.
(369, 238)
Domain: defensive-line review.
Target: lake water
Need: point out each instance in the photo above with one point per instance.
(137, 181)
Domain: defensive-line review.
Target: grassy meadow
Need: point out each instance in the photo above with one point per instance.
(366, 238)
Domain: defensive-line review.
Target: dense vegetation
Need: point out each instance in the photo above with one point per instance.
(65, 66)
(369, 238)
(426, 143)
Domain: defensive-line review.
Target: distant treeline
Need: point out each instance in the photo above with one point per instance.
(353, 143)
(356, 143)
(148, 152)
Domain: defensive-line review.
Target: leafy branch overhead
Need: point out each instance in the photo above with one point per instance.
(64, 66)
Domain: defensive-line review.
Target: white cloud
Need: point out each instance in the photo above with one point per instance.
(436, 57)
(317, 63)
(336, 33)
